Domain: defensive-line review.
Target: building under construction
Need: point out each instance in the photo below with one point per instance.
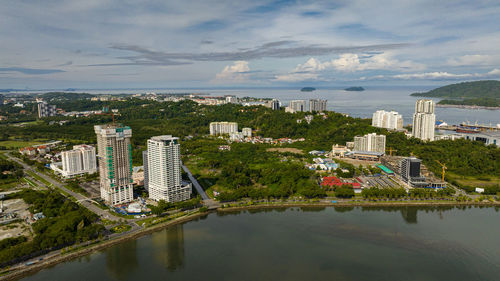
(412, 172)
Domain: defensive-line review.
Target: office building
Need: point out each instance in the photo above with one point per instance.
(46, 110)
(370, 143)
(317, 105)
(247, 132)
(115, 163)
(410, 172)
(387, 119)
(424, 120)
(78, 161)
(296, 106)
(164, 170)
(221, 128)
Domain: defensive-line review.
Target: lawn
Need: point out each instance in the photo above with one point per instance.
(12, 144)
(480, 181)
(39, 178)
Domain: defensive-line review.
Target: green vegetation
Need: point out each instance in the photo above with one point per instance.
(476, 89)
(58, 96)
(225, 171)
(121, 228)
(355, 89)
(489, 102)
(15, 144)
(183, 205)
(10, 173)
(65, 223)
(74, 185)
(39, 178)
(396, 193)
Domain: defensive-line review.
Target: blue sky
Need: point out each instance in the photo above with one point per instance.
(123, 44)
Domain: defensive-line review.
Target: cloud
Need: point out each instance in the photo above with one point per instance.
(30, 71)
(237, 72)
(348, 62)
(447, 76)
(278, 49)
(474, 60)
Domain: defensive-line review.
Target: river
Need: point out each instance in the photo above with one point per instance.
(394, 243)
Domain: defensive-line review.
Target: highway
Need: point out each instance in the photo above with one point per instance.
(83, 200)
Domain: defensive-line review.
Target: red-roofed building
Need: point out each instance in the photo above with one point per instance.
(336, 182)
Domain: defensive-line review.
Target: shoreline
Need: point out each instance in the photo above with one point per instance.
(467, 106)
(53, 261)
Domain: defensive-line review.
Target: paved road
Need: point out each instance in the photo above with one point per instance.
(84, 200)
(210, 203)
(196, 184)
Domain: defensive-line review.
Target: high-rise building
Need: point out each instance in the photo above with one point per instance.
(387, 119)
(317, 105)
(46, 110)
(370, 142)
(80, 160)
(115, 163)
(231, 99)
(145, 166)
(297, 106)
(220, 128)
(424, 120)
(275, 104)
(247, 132)
(164, 170)
(410, 172)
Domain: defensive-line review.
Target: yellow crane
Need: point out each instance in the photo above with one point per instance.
(391, 150)
(444, 168)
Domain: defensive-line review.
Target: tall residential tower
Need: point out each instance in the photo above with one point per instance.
(164, 170)
(424, 120)
(115, 163)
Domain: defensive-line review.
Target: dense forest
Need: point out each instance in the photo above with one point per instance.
(476, 89)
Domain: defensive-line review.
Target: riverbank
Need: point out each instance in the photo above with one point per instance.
(17, 274)
(468, 106)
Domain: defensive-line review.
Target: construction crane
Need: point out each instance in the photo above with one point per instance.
(444, 168)
(106, 111)
(391, 150)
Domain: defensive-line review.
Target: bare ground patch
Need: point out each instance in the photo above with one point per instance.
(285, 149)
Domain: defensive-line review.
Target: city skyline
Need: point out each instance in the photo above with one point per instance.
(110, 44)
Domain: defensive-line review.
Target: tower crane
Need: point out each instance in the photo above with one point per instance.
(444, 168)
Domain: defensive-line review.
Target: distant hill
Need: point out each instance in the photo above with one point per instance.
(65, 96)
(477, 89)
(308, 89)
(354, 89)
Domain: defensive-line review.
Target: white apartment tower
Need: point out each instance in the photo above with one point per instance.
(317, 105)
(370, 142)
(387, 119)
(221, 128)
(46, 110)
(297, 105)
(80, 160)
(115, 163)
(164, 170)
(424, 120)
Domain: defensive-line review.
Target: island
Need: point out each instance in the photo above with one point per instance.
(354, 89)
(478, 94)
(308, 89)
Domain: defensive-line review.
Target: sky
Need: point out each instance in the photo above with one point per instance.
(96, 44)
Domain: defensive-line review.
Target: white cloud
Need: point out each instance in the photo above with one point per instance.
(446, 75)
(474, 60)
(237, 72)
(348, 62)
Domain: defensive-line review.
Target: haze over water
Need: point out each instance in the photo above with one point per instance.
(306, 244)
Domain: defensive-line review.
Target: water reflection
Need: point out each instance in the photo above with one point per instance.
(121, 260)
(169, 247)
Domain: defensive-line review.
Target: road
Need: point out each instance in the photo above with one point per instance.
(210, 203)
(82, 199)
